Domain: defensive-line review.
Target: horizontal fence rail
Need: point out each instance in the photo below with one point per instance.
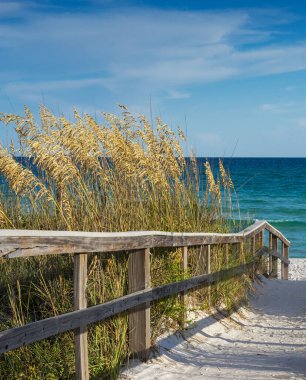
(23, 243)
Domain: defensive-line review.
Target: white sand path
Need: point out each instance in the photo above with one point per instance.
(265, 340)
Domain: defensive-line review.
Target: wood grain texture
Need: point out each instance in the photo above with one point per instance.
(253, 252)
(139, 318)
(270, 256)
(184, 295)
(24, 243)
(20, 243)
(282, 262)
(259, 244)
(274, 258)
(33, 332)
(80, 302)
(286, 263)
(208, 271)
(267, 251)
(277, 233)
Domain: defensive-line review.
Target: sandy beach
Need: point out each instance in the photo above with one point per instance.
(297, 269)
(265, 339)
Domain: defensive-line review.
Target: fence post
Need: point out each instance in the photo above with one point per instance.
(208, 271)
(259, 240)
(139, 317)
(274, 259)
(286, 266)
(253, 251)
(270, 257)
(80, 302)
(282, 263)
(184, 295)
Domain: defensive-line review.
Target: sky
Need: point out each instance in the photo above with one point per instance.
(232, 74)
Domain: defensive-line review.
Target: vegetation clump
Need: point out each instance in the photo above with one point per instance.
(120, 175)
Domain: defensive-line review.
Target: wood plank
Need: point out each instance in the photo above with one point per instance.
(184, 259)
(6, 235)
(184, 295)
(33, 332)
(282, 262)
(258, 245)
(286, 265)
(24, 243)
(139, 318)
(80, 302)
(274, 258)
(208, 271)
(259, 239)
(267, 251)
(261, 236)
(277, 233)
(254, 229)
(253, 252)
(269, 255)
(41, 246)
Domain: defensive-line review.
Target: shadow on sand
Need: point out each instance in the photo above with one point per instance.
(197, 347)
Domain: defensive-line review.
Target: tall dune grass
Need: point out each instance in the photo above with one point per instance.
(124, 174)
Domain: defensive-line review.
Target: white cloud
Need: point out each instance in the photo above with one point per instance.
(210, 139)
(173, 94)
(301, 122)
(65, 84)
(298, 87)
(132, 50)
(277, 107)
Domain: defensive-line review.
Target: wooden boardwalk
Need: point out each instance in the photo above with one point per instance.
(267, 341)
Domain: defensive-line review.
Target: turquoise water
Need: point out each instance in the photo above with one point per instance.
(273, 189)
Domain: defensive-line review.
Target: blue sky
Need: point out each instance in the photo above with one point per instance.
(233, 73)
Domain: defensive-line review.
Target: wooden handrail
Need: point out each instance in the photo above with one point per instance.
(25, 243)
(32, 332)
(272, 252)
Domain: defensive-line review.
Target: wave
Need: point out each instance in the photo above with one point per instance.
(288, 223)
(285, 221)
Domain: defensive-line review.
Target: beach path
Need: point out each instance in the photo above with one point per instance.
(265, 340)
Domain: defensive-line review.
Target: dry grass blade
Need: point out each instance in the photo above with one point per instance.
(124, 174)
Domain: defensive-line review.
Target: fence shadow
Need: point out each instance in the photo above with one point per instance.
(187, 347)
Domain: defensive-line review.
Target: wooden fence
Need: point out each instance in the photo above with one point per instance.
(23, 243)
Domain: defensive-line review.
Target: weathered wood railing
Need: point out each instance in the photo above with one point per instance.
(22, 243)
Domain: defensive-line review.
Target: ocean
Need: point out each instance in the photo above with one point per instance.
(273, 189)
